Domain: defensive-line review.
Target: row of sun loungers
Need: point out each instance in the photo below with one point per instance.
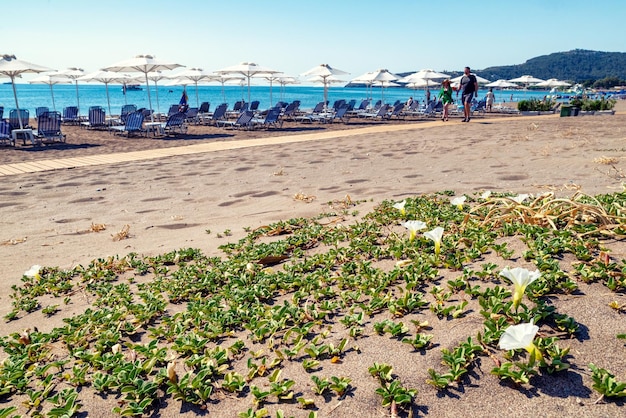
(133, 121)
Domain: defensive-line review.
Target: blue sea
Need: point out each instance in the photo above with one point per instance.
(31, 96)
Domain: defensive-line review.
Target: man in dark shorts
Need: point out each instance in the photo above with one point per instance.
(468, 88)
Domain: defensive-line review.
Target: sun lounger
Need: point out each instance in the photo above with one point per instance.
(49, 128)
(5, 133)
(381, 113)
(272, 120)
(96, 118)
(175, 124)
(70, 115)
(243, 121)
(134, 125)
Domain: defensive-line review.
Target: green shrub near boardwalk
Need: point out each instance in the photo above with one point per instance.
(532, 105)
(594, 105)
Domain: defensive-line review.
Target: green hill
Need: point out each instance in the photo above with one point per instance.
(578, 65)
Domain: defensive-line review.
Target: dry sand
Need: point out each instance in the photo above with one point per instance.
(170, 202)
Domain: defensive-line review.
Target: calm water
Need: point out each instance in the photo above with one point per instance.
(31, 96)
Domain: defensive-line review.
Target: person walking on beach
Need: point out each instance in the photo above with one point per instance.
(445, 94)
(489, 99)
(469, 88)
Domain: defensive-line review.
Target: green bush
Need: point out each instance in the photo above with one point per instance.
(588, 104)
(534, 105)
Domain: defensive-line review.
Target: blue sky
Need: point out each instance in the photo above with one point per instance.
(293, 36)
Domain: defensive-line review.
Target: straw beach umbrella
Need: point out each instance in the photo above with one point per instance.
(143, 64)
(248, 70)
(155, 77)
(325, 73)
(50, 79)
(12, 67)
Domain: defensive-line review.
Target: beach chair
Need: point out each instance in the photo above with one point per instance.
(133, 125)
(254, 105)
(314, 113)
(1, 112)
(191, 115)
(218, 115)
(361, 109)
(70, 115)
(96, 118)
(381, 113)
(272, 120)
(15, 116)
(49, 128)
(244, 121)
(5, 133)
(397, 110)
(175, 124)
(40, 110)
(203, 112)
(289, 113)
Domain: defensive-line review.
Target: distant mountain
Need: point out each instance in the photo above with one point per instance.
(578, 65)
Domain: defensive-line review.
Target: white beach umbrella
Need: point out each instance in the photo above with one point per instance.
(106, 78)
(381, 77)
(325, 73)
(274, 77)
(479, 79)
(426, 74)
(73, 74)
(553, 82)
(143, 64)
(248, 70)
(12, 67)
(51, 80)
(195, 75)
(501, 84)
(155, 77)
(223, 79)
(284, 80)
(526, 80)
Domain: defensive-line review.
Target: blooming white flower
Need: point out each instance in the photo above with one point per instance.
(458, 201)
(400, 207)
(33, 272)
(520, 198)
(521, 336)
(436, 235)
(521, 278)
(486, 194)
(413, 227)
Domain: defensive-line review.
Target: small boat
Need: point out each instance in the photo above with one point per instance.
(132, 87)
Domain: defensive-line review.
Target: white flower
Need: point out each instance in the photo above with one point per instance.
(33, 272)
(518, 336)
(413, 227)
(486, 194)
(400, 207)
(458, 201)
(521, 278)
(520, 198)
(436, 235)
(521, 336)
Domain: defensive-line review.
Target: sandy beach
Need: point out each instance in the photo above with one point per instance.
(234, 181)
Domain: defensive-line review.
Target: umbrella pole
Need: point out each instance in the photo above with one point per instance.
(270, 93)
(149, 99)
(325, 95)
(223, 93)
(52, 95)
(156, 89)
(197, 99)
(106, 87)
(248, 89)
(77, 99)
(17, 106)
